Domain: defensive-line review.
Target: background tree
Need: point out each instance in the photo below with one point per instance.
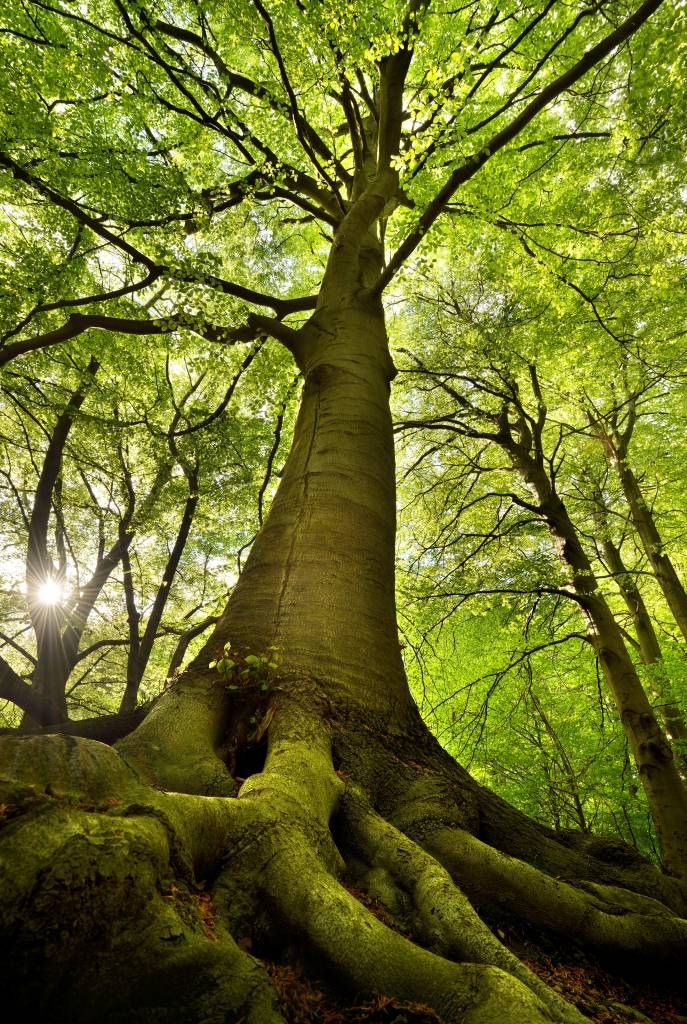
(462, 493)
(101, 531)
(490, 407)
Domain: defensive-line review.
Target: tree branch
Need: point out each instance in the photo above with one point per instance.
(549, 93)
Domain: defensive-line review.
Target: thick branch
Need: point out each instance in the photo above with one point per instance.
(15, 689)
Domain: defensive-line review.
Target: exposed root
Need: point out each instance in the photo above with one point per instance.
(445, 919)
(368, 957)
(102, 870)
(88, 896)
(603, 917)
(413, 782)
(297, 792)
(573, 856)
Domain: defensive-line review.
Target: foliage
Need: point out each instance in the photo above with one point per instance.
(246, 668)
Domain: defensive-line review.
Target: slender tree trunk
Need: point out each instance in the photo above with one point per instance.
(647, 531)
(133, 618)
(52, 658)
(649, 647)
(185, 639)
(665, 791)
(52, 670)
(568, 771)
(141, 647)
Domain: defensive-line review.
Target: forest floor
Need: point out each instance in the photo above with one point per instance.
(599, 991)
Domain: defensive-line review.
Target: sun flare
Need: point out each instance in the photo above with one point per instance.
(50, 592)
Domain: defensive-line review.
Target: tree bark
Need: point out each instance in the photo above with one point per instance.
(649, 647)
(665, 790)
(329, 532)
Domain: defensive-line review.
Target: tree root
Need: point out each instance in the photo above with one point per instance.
(298, 792)
(573, 856)
(104, 898)
(445, 918)
(603, 917)
(369, 958)
(148, 901)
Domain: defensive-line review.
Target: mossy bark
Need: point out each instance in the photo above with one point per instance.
(122, 902)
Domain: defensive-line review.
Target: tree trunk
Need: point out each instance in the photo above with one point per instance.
(649, 647)
(645, 525)
(665, 790)
(330, 531)
(52, 659)
(572, 789)
(318, 585)
(158, 880)
(141, 647)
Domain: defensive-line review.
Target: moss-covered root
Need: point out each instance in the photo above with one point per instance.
(100, 919)
(293, 862)
(603, 917)
(444, 918)
(572, 855)
(175, 746)
(368, 957)
(90, 775)
(96, 925)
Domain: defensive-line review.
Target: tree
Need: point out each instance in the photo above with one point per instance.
(647, 638)
(491, 407)
(91, 485)
(289, 758)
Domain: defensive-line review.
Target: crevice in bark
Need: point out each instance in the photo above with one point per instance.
(250, 760)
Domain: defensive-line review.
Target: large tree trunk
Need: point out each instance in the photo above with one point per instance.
(152, 881)
(329, 536)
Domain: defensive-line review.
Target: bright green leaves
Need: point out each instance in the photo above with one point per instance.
(240, 670)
